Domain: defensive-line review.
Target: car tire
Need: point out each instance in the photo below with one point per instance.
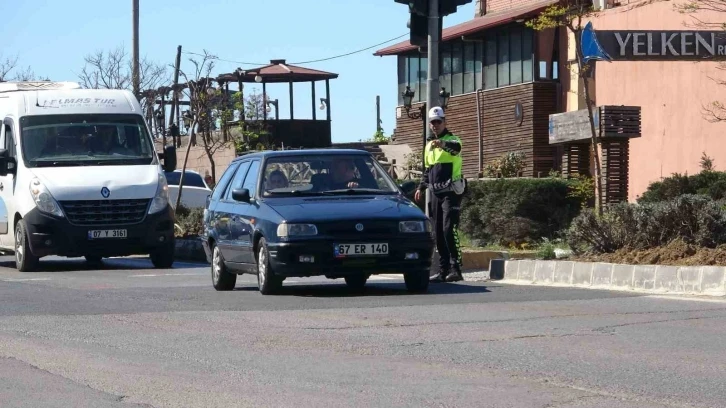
(356, 282)
(25, 261)
(266, 279)
(163, 257)
(222, 279)
(417, 281)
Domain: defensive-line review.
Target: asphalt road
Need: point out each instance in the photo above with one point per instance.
(129, 335)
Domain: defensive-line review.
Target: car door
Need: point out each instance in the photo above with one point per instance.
(7, 186)
(210, 214)
(227, 232)
(245, 212)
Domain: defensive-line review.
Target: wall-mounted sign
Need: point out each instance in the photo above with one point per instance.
(572, 126)
(518, 113)
(611, 122)
(629, 45)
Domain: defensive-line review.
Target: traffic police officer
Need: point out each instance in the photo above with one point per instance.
(442, 174)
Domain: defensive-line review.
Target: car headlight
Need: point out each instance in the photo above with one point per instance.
(161, 198)
(296, 230)
(414, 226)
(44, 199)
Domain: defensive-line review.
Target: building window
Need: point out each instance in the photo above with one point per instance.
(502, 57)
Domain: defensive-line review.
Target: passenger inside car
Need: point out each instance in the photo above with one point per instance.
(276, 179)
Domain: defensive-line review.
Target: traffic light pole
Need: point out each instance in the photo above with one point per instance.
(432, 81)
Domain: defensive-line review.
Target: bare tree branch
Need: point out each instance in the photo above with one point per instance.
(113, 69)
(7, 65)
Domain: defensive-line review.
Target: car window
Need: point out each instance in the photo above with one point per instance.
(190, 179)
(320, 173)
(251, 179)
(239, 177)
(222, 185)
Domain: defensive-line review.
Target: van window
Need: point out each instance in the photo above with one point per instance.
(85, 139)
(9, 141)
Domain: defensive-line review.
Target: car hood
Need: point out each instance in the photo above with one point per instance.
(85, 183)
(316, 209)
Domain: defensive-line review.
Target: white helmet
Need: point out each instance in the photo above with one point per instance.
(436, 113)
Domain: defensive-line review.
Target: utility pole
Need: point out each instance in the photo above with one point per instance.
(135, 64)
(175, 94)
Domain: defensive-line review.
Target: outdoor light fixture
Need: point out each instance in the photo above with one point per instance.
(323, 103)
(258, 78)
(269, 109)
(211, 91)
(239, 72)
(159, 116)
(408, 95)
(444, 98)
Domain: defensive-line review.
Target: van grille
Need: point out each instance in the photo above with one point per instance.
(105, 212)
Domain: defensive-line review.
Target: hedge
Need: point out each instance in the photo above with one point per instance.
(708, 183)
(512, 212)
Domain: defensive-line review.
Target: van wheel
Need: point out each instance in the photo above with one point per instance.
(163, 257)
(266, 279)
(222, 279)
(417, 281)
(25, 261)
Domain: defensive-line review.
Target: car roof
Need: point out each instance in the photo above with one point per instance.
(285, 153)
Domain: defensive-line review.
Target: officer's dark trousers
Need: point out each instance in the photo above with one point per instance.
(445, 210)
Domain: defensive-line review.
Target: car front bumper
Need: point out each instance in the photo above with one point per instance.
(57, 236)
(317, 258)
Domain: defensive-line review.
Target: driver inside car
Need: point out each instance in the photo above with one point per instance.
(343, 174)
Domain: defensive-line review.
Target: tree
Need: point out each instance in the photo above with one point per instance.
(9, 64)
(714, 111)
(113, 70)
(570, 14)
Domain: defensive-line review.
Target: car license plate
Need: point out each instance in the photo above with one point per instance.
(342, 250)
(103, 234)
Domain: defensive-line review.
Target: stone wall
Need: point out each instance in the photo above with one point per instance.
(198, 160)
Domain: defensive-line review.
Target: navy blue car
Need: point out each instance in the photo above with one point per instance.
(323, 212)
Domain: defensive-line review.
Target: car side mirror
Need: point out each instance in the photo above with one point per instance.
(169, 158)
(408, 187)
(8, 165)
(241, 194)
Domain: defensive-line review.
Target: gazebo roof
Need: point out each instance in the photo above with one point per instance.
(278, 71)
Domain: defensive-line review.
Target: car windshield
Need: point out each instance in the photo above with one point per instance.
(85, 140)
(325, 174)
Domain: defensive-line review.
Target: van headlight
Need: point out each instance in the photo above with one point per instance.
(296, 230)
(44, 199)
(414, 226)
(161, 198)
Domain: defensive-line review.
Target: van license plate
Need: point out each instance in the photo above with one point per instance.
(343, 250)
(102, 234)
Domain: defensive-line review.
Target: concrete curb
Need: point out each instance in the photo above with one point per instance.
(687, 280)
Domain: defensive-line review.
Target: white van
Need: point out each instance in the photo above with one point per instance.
(79, 176)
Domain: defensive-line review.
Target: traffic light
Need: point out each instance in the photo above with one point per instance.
(419, 26)
(447, 7)
(420, 7)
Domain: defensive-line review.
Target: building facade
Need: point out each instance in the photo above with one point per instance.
(494, 66)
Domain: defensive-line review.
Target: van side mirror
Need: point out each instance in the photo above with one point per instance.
(8, 165)
(241, 194)
(169, 159)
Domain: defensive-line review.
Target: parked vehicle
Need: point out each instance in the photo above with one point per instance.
(79, 176)
(321, 212)
(195, 191)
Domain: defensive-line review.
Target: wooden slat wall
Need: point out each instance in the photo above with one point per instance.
(576, 160)
(500, 132)
(615, 159)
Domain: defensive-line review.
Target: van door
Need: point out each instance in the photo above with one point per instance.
(7, 187)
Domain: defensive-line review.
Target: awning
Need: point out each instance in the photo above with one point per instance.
(474, 26)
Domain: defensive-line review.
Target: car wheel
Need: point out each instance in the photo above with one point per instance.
(417, 281)
(266, 279)
(356, 282)
(222, 279)
(163, 257)
(25, 261)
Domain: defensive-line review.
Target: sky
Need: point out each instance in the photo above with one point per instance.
(52, 37)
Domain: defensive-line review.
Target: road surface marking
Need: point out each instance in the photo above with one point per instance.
(24, 279)
(166, 274)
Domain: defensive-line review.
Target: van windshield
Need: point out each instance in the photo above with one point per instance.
(85, 140)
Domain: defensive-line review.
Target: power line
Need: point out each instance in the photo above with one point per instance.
(302, 62)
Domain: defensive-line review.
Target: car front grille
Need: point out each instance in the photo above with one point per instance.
(105, 212)
(370, 227)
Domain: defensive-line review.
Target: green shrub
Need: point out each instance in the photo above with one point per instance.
(695, 219)
(707, 183)
(189, 222)
(512, 212)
